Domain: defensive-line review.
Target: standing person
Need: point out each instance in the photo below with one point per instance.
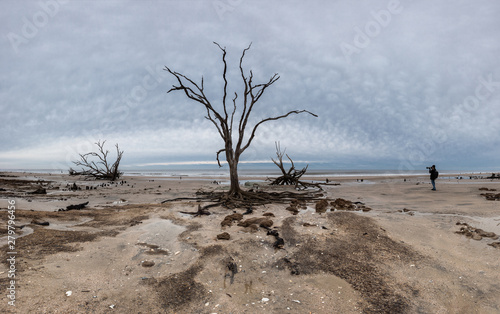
(434, 175)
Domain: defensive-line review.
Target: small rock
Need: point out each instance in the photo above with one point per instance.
(263, 222)
(228, 220)
(321, 206)
(265, 300)
(148, 264)
(39, 190)
(40, 222)
(69, 293)
(495, 245)
(223, 236)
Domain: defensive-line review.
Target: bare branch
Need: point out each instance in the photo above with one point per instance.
(232, 114)
(199, 97)
(102, 169)
(224, 121)
(220, 151)
(290, 177)
(271, 119)
(225, 80)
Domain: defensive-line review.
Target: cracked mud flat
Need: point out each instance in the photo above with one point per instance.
(384, 261)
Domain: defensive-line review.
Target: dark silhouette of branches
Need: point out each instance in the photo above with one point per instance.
(290, 176)
(232, 127)
(98, 165)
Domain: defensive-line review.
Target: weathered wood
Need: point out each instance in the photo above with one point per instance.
(97, 164)
(290, 176)
(233, 134)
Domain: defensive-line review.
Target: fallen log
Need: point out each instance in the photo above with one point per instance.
(74, 207)
(201, 211)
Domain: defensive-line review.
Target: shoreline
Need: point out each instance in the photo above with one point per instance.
(406, 246)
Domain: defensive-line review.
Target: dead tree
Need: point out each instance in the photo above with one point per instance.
(98, 165)
(224, 119)
(290, 176)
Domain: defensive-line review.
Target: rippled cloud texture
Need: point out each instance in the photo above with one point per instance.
(396, 84)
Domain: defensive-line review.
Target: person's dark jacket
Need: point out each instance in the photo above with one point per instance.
(434, 174)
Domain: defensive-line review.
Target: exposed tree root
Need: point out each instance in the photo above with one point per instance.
(245, 199)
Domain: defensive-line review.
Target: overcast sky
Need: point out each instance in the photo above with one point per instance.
(396, 84)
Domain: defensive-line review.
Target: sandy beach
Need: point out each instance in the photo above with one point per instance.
(398, 248)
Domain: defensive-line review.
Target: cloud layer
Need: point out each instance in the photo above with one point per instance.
(396, 84)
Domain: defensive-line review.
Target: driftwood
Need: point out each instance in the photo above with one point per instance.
(39, 190)
(74, 207)
(290, 176)
(200, 212)
(98, 165)
(494, 176)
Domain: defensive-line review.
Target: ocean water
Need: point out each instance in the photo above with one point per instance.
(264, 172)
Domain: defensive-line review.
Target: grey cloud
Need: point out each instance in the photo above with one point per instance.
(95, 71)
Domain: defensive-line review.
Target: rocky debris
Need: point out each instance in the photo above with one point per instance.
(279, 243)
(406, 211)
(251, 229)
(40, 222)
(228, 220)
(233, 268)
(321, 206)
(491, 196)
(268, 215)
(223, 236)
(486, 189)
(263, 222)
(147, 263)
(39, 190)
(475, 233)
(2, 190)
(74, 207)
(301, 204)
(153, 249)
(296, 205)
(495, 245)
(342, 204)
(306, 224)
(293, 210)
(248, 211)
(494, 176)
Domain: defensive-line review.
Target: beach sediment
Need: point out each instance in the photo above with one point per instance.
(127, 251)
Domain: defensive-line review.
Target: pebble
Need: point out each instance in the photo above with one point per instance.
(147, 263)
(265, 300)
(69, 293)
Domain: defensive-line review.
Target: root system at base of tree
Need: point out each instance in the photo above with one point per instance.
(246, 199)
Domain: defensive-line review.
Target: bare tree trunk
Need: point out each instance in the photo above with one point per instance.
(224, 119)
(232, 160)
(235, 189)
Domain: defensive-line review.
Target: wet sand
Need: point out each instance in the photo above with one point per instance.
(129, 252)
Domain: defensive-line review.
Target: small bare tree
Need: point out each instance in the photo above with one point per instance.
(97, 164)
(290, 176)
(223, 120)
